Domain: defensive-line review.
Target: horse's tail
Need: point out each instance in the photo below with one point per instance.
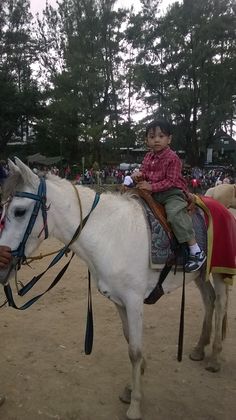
(225, 318)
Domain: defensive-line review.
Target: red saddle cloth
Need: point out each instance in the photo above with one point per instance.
(221, 237)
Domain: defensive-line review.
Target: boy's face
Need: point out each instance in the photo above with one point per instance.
(157, 140)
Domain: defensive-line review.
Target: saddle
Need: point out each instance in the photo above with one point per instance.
(158, 210)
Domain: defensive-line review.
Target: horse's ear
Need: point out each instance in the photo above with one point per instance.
(27, 175)
(12, 167)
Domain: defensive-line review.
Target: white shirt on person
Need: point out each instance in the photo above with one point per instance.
(128, 181)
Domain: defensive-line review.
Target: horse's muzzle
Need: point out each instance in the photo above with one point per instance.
(6, 273)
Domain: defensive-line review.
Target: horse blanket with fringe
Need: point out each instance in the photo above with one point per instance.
(221, 236)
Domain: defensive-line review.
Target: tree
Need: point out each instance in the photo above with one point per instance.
(20, 95)
(82, 98)
(186, 66)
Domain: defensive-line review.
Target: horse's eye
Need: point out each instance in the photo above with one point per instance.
(19, 212)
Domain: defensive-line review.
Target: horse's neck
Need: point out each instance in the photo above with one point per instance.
(110, 224)
(64, 209)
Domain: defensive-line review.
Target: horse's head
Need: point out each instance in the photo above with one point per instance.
(20, 230)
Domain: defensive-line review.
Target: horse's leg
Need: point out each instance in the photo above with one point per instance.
(208, 297)
(221, 291)
(124, 320)
(134, 311)
(125, 396)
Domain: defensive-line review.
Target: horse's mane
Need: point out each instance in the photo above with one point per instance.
(55, 179)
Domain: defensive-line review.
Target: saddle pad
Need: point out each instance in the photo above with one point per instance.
(221, 237)
(160, 247)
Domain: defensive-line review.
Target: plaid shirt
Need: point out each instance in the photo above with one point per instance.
(163, 171)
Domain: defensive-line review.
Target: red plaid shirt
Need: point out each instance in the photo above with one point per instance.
(163, 171)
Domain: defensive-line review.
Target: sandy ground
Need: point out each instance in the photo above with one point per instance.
(46, 375)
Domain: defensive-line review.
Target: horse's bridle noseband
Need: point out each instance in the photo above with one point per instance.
(40, 202)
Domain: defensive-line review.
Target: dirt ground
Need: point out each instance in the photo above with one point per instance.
(46, 375)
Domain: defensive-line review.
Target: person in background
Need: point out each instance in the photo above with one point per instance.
(161, 173)
(218, 181)
(128, 180)
(226, 179)
(195, 184)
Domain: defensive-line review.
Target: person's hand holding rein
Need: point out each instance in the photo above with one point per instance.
(137, 176)
(144, 185)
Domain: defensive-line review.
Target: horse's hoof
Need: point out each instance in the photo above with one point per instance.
(134, 412)
(197, 355)
(213, 367)
(125, 397)
(133, 416)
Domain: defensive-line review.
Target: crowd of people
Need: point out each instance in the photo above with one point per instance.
(198, 179)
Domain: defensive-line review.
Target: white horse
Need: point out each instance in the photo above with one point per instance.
(224, 193)
(115, 245)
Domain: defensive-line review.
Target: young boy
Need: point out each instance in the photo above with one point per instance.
(161, 175)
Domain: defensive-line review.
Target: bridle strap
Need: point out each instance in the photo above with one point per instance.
(40, 202)
(9, 296)
(88, 344)
(61, 253)
(31, 283)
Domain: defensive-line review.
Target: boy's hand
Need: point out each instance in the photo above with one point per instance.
(137, 176)
(144, 185)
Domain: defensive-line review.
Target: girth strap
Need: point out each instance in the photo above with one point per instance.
(158, 291)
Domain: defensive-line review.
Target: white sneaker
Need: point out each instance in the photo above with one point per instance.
(195, 262)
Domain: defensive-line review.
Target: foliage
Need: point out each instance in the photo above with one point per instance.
(186, 67)
(19, 93)
(74, 80)
(83, 99)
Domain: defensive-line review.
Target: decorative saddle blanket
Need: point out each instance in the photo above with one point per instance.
(221, 233)
(215, 230)
(161, 249)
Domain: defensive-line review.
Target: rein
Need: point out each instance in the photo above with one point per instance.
(61, 253)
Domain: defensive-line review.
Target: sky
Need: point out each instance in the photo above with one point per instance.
(38, 5)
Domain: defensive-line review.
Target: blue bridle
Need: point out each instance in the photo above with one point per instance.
(40, 203)
(19, 253)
